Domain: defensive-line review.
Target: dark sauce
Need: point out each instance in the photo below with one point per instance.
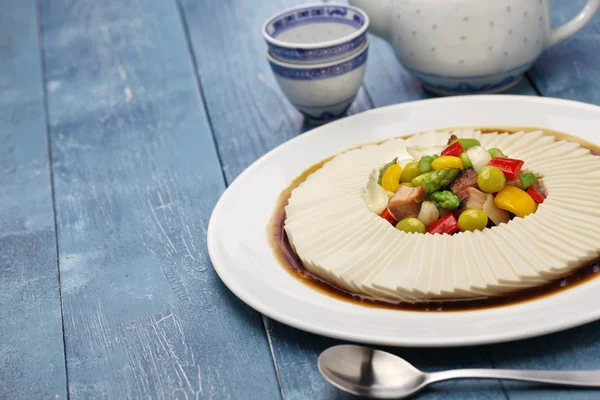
(288, 258)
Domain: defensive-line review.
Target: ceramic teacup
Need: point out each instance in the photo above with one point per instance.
(316, 33)
(321, 92)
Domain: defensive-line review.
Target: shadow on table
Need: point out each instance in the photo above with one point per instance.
(296, 353)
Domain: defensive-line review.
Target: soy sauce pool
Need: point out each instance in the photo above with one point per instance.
(290, 261)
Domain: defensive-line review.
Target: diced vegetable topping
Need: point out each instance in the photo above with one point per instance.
(425, 164)
(496, 152)
(410, 172)
(472, 220)
(411, 225)
(467, 143)
(467, 188)
(446, 224)
(536, 195)
(446, 162)
(391, 178)
(514, 182)
(445, 199)
(510, 166)
(440, 179)
(453, 150)
(388, 217)
(465, 160)
(418, 181)
(385, 167)
(429, 213)
(496, 215)
(479, 157)
(491, 179)
(516, 201)
(527, 179)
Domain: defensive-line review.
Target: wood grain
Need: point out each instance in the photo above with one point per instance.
(136, 174)
(568, 70)
(250, 116)
(32, 363)
(249, 113)
(136, 177)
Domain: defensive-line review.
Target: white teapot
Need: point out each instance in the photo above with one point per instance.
(468, 46)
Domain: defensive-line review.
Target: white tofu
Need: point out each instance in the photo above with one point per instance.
(341, 241)
(461, 281)
(398, 276)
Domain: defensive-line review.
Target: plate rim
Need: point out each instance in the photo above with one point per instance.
(464, 340)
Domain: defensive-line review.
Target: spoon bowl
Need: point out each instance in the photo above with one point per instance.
(374, 373)
(368, 372)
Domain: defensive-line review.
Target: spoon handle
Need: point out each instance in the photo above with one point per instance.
(570, 378)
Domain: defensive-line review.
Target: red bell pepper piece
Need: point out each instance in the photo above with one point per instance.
(446, 224)
(453, 150)
(510, 166)
(536, 195)
(388, 217)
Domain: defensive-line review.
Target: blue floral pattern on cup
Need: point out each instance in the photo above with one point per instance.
(317, 54)
(325, 116)
(313, 15)
(319, 72)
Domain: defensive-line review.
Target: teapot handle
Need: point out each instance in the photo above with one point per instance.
(569, 28)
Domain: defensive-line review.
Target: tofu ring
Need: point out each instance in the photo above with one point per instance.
(332, 228)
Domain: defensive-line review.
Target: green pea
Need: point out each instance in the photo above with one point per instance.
(491, 179)
(467, 143)
(410, 172)
(472, 220)
(466, 161)
(496, 152)
(411, 225)
(418, 181)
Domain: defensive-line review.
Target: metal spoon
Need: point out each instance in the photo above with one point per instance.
(377, 374)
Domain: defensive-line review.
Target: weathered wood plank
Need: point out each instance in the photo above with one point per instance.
(251, 116)
(32, 355)
(249, 113)
(577, 348)
(136, 177)
(568, 70)
(297, 353)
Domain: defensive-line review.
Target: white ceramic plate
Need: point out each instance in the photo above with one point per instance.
(240, 252)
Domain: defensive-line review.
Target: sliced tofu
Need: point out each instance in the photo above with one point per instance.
(426, 267)
(340, 240)
(398, 276)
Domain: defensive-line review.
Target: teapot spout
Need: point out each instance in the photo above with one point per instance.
(379, 12)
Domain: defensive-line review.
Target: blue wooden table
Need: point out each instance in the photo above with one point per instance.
(121, 123)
